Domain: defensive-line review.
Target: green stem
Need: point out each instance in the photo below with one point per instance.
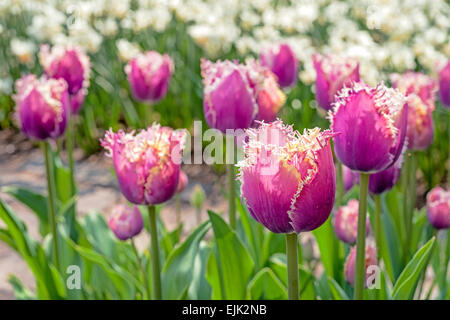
(292, 265)
(378, 230)
(361, 239)
(445, 271)
(157, 295)
(411, 203)
(51, 201)
(141, 268)
(340, 184)
(177, 208)
(231, 195)
(69, 148)
(424, 273)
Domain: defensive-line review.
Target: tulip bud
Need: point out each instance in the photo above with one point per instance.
(198, 197)
(444, 85)
(282, 62)
(126, 221)
(438, 208)
(149, 75)
(288, 179)
(71, 64)
(348, 177)
(419, 90)
(42, 106)
(182, 181)
(346, 222)
(332, 74)
(228, 99)
(147, 164)
(385, 180)
(350, 264)
(371, 126)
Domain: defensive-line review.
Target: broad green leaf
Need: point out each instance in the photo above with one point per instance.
(213, 276)
(235, 263)
(200, 289)
(266, 286)
(336, 290)
(178, 271)
(403, 288)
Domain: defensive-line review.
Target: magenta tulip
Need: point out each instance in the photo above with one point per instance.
(147, 164)
(371, 126)
(282, 62)
(149, 75)
(438, 208)
(350, 264)
(288, 179)
(444, 85)
(42, 106)
(420, 91)
(71, 64)
(182, 181)
(126, 221)
(228, 99)
(332, 74)
(346, 222)
(348, 178)
(385, 180)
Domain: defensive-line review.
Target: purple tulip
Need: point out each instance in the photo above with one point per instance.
(288, 179)
(42, 106)
(332, 74)
(149, 75)
(371, 126)
(126, 221)
(385, 180)
(348, 177)
(281, 60)
(444, 85)
(147, 164)
(346, 222)
(71, 64)
(228, 99)
(350, 264)
(182, 181)
(420, 93)
(438, 208)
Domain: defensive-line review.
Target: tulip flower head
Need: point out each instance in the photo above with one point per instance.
(42, 106)
(228, 98)
(371, 126)
(348, 178)
(333, 72)
(126, 221)
(182, 181)
(282, 62)
(70, 63)
(288, 179)
(147, 164)
(438, 208)
(444, 85)
(419, 90)
(149, 75)
(346, 222)
(370, 260)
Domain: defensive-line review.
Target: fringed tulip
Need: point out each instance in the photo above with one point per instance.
(282, 62)
(288, 179)
(182, 181)
(149, 75)
(371, 126)
(126, 221)
(332, 74)
(228, 99)
(42, 106)
(438, 208)
(147, 164)
(346, 222)
(350, 265)
(419, 90)
(71, 64)
(444, 85)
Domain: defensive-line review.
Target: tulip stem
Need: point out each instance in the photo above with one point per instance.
(292, 265)
(339, 187)
(361, 239)
(378, 230)
(141, 268)
(51, 200)
(445, 271)
(177, 208)
(69, 146)
(155, 254)
(231, 196)
(409, 202)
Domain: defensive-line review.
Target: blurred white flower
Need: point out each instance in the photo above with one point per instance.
(127, 50)
(24, 50)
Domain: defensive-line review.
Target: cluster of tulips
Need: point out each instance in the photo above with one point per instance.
(288, 179)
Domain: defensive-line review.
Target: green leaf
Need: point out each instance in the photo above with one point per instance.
(20, 291)
(266, 286)
(178, 271)
(403, 288)
(336, 290)
(199, 288)
(235, 264)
